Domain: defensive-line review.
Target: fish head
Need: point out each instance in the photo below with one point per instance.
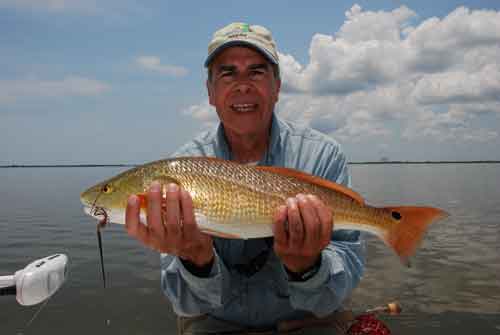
(108, 199)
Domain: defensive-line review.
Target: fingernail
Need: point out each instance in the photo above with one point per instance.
(155, 186)
(311, 197)
(301, 197)
(291, 202)
(132, 200)
(172, 187)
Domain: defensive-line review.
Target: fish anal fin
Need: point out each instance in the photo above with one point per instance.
(407, 235)
(219, 234)
(314, 180)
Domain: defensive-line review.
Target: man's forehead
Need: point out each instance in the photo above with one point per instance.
(238, 55)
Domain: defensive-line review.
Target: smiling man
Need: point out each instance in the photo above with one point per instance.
(298, 279)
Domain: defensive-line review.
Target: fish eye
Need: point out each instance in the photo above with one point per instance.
(107, 188)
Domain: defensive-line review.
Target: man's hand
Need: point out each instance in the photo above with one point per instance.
(309, 230)
(171, 226)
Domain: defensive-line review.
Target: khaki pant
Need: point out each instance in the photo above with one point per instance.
(336, 323)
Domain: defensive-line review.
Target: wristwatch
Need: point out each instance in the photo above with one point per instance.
(304, 275)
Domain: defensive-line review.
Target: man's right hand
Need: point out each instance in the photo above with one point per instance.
(171, 225)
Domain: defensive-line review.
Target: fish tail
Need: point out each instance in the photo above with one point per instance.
(406, 236)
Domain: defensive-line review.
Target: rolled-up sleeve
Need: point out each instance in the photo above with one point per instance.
(342, 261)
(342, 265)
(191, 295)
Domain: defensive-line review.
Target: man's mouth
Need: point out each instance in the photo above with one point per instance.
(244, 108)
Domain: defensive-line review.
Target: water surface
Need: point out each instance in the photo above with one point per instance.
(452, 287)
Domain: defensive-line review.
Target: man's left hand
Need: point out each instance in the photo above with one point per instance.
(302, 229)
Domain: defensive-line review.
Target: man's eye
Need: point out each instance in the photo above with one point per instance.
(257, 73)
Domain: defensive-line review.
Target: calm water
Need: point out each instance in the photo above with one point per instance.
(453, 286)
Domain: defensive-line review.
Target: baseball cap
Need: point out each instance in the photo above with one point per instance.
(238, 33)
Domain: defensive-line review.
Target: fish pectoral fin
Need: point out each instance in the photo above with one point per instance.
(314, 180)
(143, 200)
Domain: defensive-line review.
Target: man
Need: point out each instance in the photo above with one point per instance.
(235, 286)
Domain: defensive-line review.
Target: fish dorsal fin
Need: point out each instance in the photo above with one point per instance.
(313, 180)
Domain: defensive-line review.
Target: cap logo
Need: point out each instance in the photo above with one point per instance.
(240, 30)
(245, 27)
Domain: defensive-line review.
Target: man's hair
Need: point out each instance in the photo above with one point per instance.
(276, 72)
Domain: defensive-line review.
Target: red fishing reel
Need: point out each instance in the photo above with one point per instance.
(368, 324)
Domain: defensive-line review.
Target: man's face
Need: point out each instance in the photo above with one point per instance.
(243, 89)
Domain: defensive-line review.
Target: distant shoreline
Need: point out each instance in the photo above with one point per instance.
(65, 165)
(351, 163)
(425, 162)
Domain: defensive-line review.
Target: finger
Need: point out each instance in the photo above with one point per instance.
(173, 211)
(326, 220)
(310, 221)
(295, 228)
(189, 227)
(132, 221)
(132, 215)
(279, 229)
(154, 216)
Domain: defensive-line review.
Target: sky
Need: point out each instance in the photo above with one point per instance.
(122, 81)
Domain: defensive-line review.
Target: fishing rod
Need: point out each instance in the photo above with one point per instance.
(38, 281)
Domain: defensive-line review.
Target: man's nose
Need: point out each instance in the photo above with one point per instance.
(243, 87)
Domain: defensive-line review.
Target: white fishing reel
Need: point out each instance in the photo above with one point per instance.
(37, 281)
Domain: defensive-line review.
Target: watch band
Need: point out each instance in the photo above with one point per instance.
(305, 275)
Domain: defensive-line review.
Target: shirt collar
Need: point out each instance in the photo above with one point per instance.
(275, 142)
(225, 153)
(222, 147)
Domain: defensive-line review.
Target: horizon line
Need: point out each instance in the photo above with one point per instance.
(351, 163)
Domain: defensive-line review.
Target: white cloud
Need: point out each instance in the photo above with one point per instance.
(14, 90)
(459, 86)
(153, 63)
(382, 76)
(203, 112)
(378, 68)
(374, 26)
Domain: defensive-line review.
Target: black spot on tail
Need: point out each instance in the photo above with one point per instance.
(396, 215)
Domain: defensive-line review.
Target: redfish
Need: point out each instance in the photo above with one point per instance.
(233, 200)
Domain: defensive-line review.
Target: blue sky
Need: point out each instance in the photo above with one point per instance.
(123, 82)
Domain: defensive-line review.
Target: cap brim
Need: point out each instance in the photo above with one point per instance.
(234, 43)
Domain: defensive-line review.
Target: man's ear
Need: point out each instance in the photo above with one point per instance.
(278, 89)
(211, 98)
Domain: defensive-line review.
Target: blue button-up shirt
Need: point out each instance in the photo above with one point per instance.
(268, 296)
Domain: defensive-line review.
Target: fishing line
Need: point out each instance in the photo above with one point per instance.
(102, 222)
(101, 225)
(99, 240)
(35, 315)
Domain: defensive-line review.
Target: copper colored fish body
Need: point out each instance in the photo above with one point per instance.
(238, 201)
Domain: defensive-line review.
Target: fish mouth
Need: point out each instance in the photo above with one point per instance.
(99, 213)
